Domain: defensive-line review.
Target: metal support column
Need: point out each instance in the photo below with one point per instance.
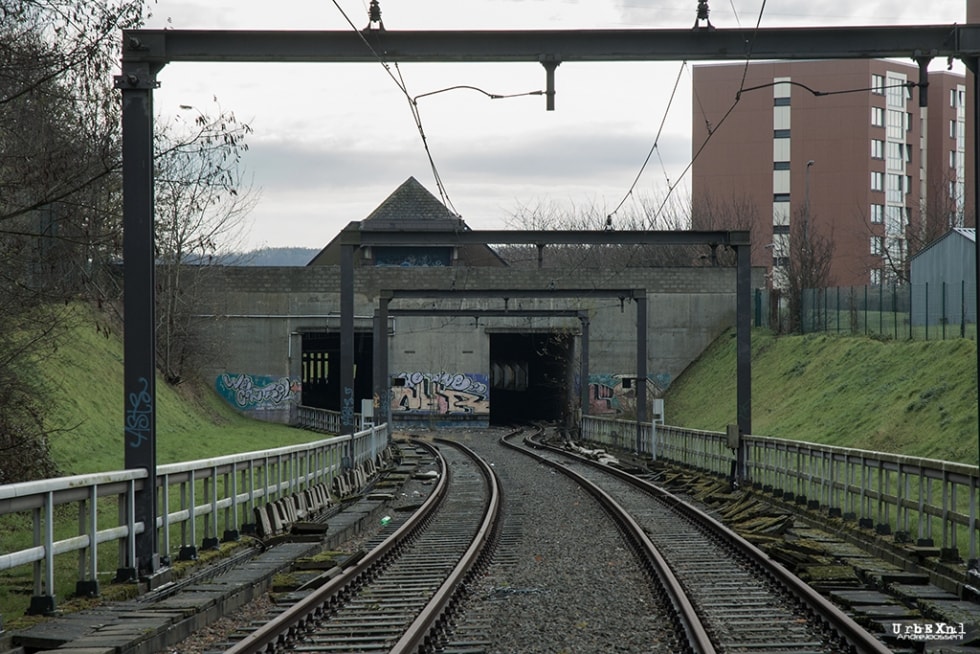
(347, 346)
(137, 82)
(743, 356)
(973, 65)
(382, 376)
(584, 366)
(550, 63)
(641, 366)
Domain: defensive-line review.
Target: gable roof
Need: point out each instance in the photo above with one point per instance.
(969, 233)
(411, 207)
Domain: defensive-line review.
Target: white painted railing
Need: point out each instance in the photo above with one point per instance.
(923, 501)
(192, 497)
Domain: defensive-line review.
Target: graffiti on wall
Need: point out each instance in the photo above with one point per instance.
(441, 393)
(256, 392)
(609, 395)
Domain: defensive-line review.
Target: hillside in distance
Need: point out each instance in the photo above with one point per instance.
(917, 398)
(279, 256)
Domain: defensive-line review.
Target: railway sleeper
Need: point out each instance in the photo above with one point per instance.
(304, 513)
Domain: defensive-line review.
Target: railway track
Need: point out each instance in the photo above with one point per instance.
(420, 591)
(400, 595)
(728, 595)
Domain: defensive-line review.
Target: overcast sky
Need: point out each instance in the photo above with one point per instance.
(332, 141)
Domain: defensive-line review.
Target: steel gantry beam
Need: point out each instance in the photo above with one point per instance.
(421, 46)
(146, 52)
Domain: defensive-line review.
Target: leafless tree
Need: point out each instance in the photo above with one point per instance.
(909, 233)
(59, 163)
(59, 133)
(807, 266)
(644, 214)
(202, 201)
(60, 199)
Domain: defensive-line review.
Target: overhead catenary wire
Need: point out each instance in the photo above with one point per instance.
(653, 148)
(738, 97)
(413, 106)
(413, 102)
(417, 117)
(744, 89)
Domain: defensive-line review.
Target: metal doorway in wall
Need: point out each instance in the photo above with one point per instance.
(530, 376)
(321, 368)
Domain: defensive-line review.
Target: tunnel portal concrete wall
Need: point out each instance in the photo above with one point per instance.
(256, 316)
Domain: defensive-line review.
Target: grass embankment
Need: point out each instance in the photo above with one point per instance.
(917, 398)
(85, 404)
(84, 401)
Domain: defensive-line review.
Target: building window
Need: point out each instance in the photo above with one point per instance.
(413, 256)
(952, 97)
(877, 181)
(876, 276)
(780, 229)
(896, 92)
(780, 165)
(952, 129)
(780, 262)
(878, 84)
(780, 133)
(877, 116)
(896, 124)
(780, 197)
(780, 102)
(877, 149)
(877, 213)
(877, 245)
(896, 188)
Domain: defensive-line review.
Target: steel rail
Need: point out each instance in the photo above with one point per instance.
(438, 609)
(284, 628)
(858, 637)
(685, 613)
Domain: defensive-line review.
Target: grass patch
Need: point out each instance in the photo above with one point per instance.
(917, 398)
(84, 397)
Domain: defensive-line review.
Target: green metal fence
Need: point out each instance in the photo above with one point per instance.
(937, 311)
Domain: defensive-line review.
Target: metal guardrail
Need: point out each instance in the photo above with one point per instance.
(194, 496)
(921, 501)
(321, 420)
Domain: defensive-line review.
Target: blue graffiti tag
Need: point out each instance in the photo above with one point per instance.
(139, 414)
(347, 407)
(256, 392)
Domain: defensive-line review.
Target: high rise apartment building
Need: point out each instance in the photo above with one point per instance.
(829, 152)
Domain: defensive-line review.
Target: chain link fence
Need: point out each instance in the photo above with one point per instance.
(936, 311)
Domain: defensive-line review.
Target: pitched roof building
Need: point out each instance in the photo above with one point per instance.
(411, 207)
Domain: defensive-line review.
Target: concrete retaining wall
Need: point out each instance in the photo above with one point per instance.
(255, 317)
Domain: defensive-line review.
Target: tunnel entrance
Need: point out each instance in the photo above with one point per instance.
(321, 368)
(530, 376)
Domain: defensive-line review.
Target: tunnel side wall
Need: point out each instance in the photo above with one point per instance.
(253, 317)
